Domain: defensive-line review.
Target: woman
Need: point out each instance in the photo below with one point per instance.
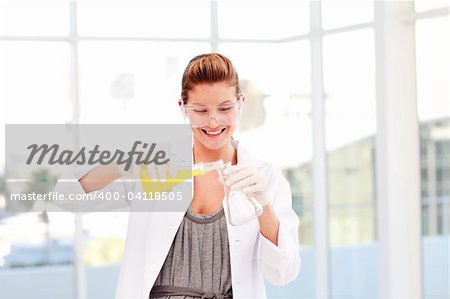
(197, 253)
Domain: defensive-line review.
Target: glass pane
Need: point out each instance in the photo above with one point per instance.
(34, 83)
(343, 13)
(34, 247)
(276, 81)
(301, 184)
(182, 19)
(432, 48)
(263, 19)
(37, 249)
(349, 225)
(350, 124)
(433, 94)
(34, 17)
(135, 82)
(349, 87)
(422, 5)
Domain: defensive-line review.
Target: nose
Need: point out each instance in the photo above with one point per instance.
(213, 121)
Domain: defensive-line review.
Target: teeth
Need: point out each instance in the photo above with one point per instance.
(213, 132)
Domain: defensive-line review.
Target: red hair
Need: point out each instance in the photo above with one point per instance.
(208, 68)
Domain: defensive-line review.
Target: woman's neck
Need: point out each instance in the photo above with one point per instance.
(202, 154)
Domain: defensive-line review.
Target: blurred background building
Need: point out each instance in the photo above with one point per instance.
(350, 98)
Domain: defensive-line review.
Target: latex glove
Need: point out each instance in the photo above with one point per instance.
(248, 180)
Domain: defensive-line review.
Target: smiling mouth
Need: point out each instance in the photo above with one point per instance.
(213, 133)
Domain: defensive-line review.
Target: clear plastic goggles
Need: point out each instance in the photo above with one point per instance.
(225, 114)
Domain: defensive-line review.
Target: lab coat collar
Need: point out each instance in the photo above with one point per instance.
(243, 156)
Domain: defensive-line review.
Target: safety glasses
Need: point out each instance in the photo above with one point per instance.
(225, 114)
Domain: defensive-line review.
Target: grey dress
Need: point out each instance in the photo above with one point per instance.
(198, 262)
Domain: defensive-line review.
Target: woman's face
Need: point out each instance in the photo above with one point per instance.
(213, 135)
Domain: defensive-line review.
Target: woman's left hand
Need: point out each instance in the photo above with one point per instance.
(248, 180)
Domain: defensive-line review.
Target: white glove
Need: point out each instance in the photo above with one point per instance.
(248, 180)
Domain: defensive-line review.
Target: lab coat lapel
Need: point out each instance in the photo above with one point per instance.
(162, 230)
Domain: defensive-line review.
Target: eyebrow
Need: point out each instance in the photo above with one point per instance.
(224, 102)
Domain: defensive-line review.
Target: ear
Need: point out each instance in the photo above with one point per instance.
(243, 97)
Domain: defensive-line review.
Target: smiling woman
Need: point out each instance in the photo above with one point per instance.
(201, 251)
(205, 257)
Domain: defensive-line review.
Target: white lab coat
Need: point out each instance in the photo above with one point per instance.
(252, 256)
